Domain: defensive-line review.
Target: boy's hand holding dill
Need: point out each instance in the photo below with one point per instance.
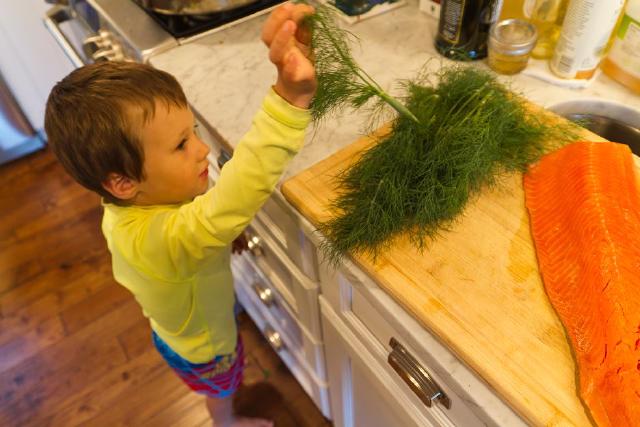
(289, 49)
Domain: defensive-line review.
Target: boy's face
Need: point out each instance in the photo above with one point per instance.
(175, 162)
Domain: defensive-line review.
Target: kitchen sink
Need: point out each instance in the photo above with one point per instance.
(611, 120)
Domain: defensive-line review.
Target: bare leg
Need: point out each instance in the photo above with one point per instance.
(221, 411)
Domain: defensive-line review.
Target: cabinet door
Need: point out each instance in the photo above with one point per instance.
(361, 392)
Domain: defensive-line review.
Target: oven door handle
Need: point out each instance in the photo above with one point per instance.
(54, 17)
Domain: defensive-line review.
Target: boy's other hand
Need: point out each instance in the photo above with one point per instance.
(289, 49)
(240, 244)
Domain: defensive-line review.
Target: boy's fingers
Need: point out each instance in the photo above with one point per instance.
(275, 21)
(296, 68)
(300, 11)
(284, 12)
(282, 42)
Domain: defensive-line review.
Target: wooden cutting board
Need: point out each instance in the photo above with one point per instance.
(477, 288)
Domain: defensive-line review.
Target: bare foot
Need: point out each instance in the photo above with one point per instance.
(251, 422)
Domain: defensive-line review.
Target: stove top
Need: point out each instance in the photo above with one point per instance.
(182, 26)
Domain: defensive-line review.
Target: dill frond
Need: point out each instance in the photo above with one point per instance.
(463, 130)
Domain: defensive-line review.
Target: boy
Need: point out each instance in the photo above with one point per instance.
(125, 131)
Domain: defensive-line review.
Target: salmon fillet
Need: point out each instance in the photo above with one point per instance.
(584, 204)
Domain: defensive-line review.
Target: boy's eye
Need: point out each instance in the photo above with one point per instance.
(181, 145)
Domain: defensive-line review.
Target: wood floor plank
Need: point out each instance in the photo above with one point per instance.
(72, 279)
(76, 240)
(108, 392)
(81, 358)
(106, 300)
(31, 396)
(31, 342)
(151, 397)
(189, 409)
(57, 213)
(136, 340)
(25, 308)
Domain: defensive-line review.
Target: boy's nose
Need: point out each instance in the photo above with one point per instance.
(204, 149)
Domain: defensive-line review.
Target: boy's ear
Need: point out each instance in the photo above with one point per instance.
(120, 186)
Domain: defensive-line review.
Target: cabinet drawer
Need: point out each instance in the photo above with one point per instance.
(420, 376)
(296, 289)
(264, 294)
(303, 358)
(283, 225)
(247, 276)
(362, 392)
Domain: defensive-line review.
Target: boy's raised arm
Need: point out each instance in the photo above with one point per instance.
(216, 218)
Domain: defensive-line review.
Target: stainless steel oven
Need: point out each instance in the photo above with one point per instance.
(96, 30)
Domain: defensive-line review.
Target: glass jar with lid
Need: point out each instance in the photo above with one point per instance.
(510, 45)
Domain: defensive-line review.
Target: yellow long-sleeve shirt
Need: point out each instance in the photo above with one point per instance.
(175, 259)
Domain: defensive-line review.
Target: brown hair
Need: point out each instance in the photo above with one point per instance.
(90, 120)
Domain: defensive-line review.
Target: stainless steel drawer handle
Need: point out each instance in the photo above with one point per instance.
(416, 377)
(274, 338)
(254, 244)
(264, 293)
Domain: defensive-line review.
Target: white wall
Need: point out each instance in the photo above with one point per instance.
(30, 59)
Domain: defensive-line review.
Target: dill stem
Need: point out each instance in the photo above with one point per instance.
(369, 81)
(398, 106)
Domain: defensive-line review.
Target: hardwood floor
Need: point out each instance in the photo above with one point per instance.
(74, 346)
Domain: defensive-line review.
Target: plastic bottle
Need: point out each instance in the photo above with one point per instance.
(586, 30)
(464, 27)
(547, 16)
(623, 61)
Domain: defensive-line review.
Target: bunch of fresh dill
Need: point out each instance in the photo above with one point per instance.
(447, 142)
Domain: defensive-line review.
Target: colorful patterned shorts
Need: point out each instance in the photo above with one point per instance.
(218, 378)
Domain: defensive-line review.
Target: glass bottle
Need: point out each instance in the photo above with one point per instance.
(464, 27)
(547, 16)
(518, 9)
(623, 61)
(585, 35)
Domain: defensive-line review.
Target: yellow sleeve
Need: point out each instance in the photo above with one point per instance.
(197, 230)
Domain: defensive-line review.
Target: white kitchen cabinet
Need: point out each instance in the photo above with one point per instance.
(359, 322)
(360, 369)
(361, 392)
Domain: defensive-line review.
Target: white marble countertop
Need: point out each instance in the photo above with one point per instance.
(226, 75)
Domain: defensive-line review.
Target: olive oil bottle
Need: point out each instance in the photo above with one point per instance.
(464, 27)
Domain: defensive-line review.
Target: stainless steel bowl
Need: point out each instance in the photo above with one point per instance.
(611, 129)
(611, 120)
